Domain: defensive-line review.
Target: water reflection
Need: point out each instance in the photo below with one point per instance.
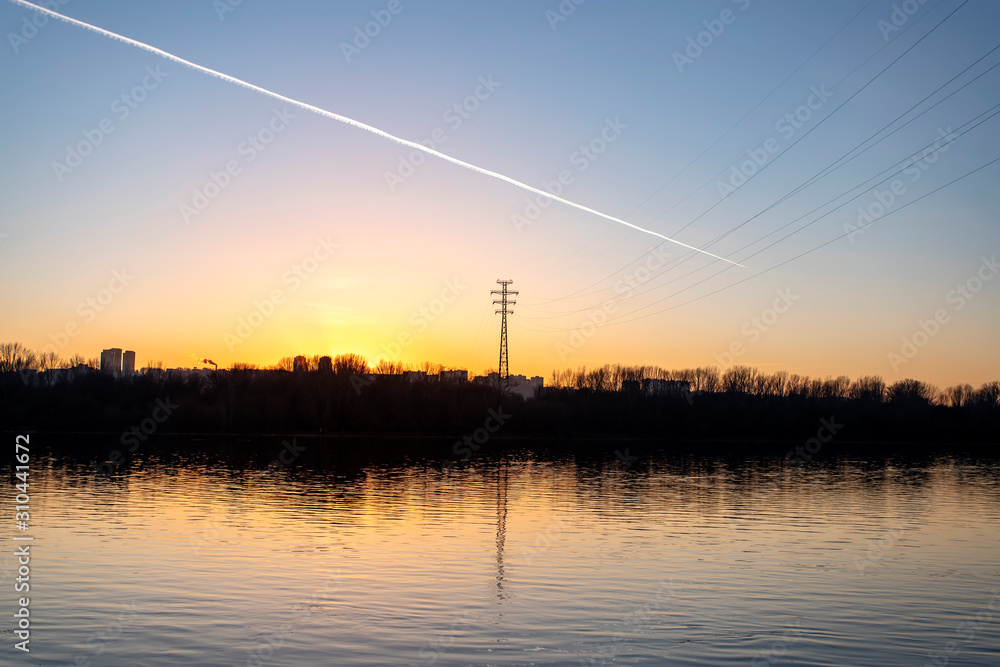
(501, 525)
(673, 560)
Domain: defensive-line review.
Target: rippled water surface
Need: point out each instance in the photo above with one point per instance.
(192, 559)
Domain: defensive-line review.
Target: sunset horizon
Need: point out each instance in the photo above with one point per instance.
(592, 291)
(555, 332)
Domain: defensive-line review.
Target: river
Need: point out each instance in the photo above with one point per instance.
(188, 558)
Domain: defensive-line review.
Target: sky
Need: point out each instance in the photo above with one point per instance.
(152, 207)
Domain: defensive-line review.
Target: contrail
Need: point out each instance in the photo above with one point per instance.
(357, 124)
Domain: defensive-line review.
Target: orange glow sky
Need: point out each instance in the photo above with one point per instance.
(192, 281)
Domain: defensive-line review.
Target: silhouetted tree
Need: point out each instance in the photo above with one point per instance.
(562, 378)
(386, 367)
(869, 388)
(350, 364)
(48, 361)
(910, 391)
(15, 357)
(739, 379)
(741, 403)
(988, 395)
(959, 395)
(709, 379)
(599, 379)
(835, 387)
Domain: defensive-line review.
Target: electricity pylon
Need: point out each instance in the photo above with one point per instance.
(503, 370)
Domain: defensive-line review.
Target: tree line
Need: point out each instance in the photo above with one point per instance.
(749, 380)
(345, 394)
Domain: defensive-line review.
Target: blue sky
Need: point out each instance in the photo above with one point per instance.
(556, 86)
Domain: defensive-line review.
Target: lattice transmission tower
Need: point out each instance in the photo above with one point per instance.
(503, 370)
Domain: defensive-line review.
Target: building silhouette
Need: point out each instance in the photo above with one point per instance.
(457, 376)
(658, 387)
(516, 384)
(325, 365)
(525, 386)
(111, 360)
(128, 362)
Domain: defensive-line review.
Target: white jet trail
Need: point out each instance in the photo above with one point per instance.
(355, 123)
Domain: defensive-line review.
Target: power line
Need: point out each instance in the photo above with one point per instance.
(827, 117)
(712, 145)
(863, 63)
(803, 254)
(837, 164)
(613, 322)
(906, 162)
(757, 106)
